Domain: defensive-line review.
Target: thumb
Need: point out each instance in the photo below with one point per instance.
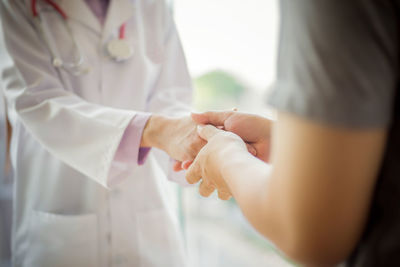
(211, 117)
(206, 132)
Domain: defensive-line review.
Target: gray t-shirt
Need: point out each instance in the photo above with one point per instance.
(338, 65)
(338, 61)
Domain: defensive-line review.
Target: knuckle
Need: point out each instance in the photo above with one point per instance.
(209, 186)
(190, 181)
(206, 189)
(190, 177)
(224, 195)
(204, 192)
(235, 127)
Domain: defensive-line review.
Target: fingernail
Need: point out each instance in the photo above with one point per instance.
(200, 128)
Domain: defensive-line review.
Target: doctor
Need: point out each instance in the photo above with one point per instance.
(5, 192)
(6, 181)
(83, 93)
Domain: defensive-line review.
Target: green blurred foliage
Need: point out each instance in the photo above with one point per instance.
(217, 90)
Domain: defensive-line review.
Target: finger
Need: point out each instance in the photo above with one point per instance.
(224, 195)
(186, 164)
(177, 166)
(211, 117)
(206, 189)
(251, 149)
(207, 131)
(193, 174)
(196, 146)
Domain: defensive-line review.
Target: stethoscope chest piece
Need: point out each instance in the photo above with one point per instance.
(120, 49)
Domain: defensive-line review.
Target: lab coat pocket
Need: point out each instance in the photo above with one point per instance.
(62, 240)
(160, 242)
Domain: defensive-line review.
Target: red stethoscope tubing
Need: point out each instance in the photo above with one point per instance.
(35, 13)
(121, 35)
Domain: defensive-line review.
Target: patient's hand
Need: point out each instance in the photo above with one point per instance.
(209, 163)
(253, 129)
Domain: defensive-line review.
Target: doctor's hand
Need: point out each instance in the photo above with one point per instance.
(253, 129)
(176, 136)
(208, 164)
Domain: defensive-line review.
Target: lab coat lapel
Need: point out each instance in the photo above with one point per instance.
(79, 10)
(119, 12)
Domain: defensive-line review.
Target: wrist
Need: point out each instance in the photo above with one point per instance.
(154, 132)
(236, 156)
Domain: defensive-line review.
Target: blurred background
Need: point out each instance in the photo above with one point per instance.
(231, 48)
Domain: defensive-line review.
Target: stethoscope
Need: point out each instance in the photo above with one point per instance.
(118, 49)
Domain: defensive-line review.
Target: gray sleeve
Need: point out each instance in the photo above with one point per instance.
(338, 61)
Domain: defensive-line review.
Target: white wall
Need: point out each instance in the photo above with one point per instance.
(234, 35)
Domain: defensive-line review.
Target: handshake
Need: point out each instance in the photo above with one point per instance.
(201, 144)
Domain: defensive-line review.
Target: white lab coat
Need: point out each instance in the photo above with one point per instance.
(5, 192)
(6, 182)
(66, 130)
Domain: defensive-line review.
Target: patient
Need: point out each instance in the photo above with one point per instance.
(331, 193)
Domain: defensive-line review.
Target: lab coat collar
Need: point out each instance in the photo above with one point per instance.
(119, 12)
(80, 11)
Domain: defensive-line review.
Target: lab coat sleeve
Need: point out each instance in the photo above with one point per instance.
(129, 154)
(81, 134)
(172, 93)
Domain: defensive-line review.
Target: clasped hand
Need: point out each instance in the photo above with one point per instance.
(227, 134)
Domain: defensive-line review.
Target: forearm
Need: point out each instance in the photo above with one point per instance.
(265, 201)
(249, 180)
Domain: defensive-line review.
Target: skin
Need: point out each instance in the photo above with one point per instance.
(176, 136)
(313, 200)
(240, 124)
